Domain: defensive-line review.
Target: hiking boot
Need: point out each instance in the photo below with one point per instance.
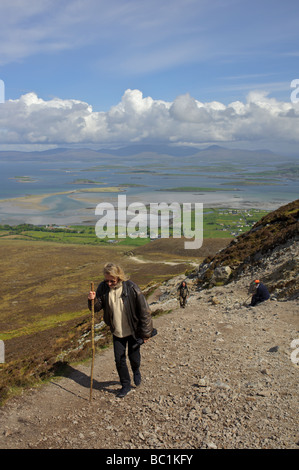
(137, 378)
(123, 392)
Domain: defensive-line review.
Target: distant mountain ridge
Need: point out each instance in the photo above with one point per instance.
(142, 150)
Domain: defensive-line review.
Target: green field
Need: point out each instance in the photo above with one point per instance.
(217, 223)
(229, 222)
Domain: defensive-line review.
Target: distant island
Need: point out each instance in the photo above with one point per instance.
(122, 185)
(86, 181)
(195, 189)
(23, 179)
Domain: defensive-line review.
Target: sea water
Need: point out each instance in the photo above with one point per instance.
(146, 182)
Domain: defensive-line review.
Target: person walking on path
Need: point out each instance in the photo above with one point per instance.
(127, 313)
(183, 293)
(261, 294)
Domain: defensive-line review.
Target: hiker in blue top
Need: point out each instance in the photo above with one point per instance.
(261, 293)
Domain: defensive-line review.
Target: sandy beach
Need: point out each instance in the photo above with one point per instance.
(78, 206)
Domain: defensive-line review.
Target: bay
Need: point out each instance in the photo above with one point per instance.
(66, 189)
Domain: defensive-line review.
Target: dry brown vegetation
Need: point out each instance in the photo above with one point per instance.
(174, 248)
(44, 288)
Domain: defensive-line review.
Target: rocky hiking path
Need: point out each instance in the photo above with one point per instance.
(218, 375)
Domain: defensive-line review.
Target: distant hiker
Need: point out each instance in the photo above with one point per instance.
(183, 293)
(127, 314)
(261, 294)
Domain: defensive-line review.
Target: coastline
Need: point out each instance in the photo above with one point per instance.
(78, 206)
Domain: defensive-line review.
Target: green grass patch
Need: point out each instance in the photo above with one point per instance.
(217, 223)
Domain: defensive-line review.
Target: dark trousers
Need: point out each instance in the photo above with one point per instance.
(120, 345)
(255, 300)
(183, 301)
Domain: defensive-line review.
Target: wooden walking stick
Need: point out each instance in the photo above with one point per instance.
(92, 343)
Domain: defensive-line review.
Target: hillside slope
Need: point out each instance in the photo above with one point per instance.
(270, 248)
(217, 375)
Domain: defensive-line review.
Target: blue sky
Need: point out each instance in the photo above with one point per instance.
(118, 59)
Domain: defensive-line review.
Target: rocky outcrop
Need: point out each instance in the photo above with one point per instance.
(221, 275)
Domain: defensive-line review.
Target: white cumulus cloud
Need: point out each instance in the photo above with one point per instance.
(32, 120)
